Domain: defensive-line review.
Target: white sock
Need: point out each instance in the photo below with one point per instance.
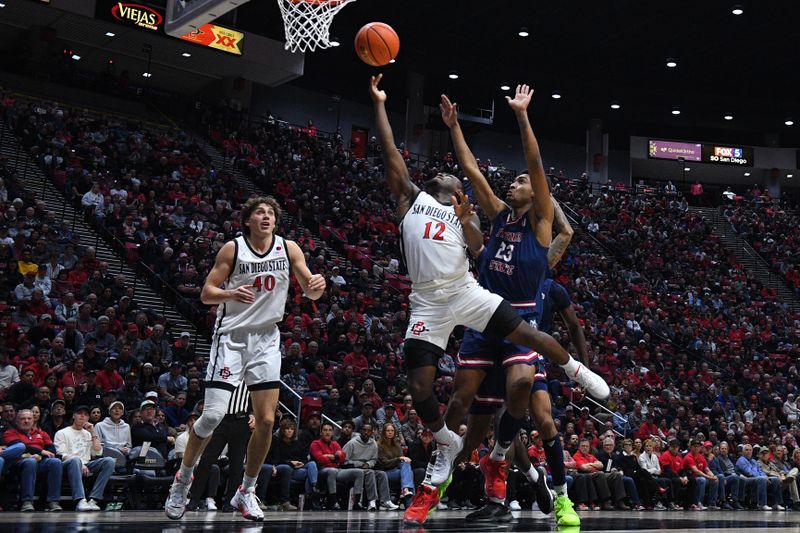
(248, 483)
(571, 367)
(499, 452)
(532, 474)
(561, 490)
(443, 436)
(186, 473)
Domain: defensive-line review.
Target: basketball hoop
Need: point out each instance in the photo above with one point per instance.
(308, 22)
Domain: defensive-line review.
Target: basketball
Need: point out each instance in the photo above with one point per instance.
(377, 44)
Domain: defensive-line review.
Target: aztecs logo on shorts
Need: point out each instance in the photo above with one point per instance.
(225, 372)
(418, 328)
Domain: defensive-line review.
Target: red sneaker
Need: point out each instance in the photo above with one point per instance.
(424, 500)
(495, 474)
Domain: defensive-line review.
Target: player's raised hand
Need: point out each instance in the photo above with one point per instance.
(243, 294)
(378, 95)
(449, 112)
(521, 100)
(463, 206)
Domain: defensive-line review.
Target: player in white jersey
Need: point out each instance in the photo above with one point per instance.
(254, 270)
(437, 228)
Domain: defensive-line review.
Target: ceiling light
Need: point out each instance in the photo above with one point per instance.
(737, 10)
(686, 169)
(523, 32)
(789, 122)
(453, 75)
(556, 95)
(789, 175)
(676, 111)
(76, 57)
(186, 54)
(505, 87)
(392, 61)
(147, 75)
(672, 63)
(110, 34)
(746, 174)
(615, 105)
(2, 5)
(335, 42)
(728, 117)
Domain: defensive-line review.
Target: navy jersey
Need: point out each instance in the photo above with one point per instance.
(514, 264)
(557, 300)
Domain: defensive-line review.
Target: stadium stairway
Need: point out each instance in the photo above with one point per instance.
(54, 200)
(756, 266)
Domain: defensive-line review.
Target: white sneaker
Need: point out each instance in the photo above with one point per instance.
(83, 505)
(248, 503)
(94, 506)
(593, 383)
(178, 498)
(211, 505)
(388, 505)
(441, 506)
(778, 508)
(440, 469)
(514, 506)
(765, 508)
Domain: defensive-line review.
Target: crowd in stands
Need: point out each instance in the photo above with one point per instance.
(700, 358)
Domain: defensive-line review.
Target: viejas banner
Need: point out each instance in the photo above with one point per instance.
(131, 14)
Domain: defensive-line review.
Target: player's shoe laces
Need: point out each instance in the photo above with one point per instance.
(544, 496)
(565, 512)
(593, 383)
(178, 498)
(445, 455)
(248, 503)
(423, 502)
(495, 475)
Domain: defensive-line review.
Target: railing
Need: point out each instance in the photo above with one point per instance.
(596, 420)
(299, 397)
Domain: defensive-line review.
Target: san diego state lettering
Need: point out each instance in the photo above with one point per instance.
(263, 266)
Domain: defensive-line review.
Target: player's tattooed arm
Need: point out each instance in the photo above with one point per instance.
(489, 202)
(563, 238)
(397, 174)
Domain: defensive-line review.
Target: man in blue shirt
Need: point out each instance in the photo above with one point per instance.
(748, 467)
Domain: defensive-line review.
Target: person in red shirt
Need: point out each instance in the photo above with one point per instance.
(329, 457)
(109, 378)
(648, 428)
(41, 460)
(671, 464)
(536, 450)
(357, 358)
(696, 466)
(609, 486)
(320, 381)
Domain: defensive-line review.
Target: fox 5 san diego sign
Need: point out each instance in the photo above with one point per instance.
(133, 14)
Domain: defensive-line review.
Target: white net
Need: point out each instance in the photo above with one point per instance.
(308, 22)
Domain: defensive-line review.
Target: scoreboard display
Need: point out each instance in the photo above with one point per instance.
(716, 154)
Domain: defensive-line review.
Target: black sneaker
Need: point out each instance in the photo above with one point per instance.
(544, 496)
(491, 512)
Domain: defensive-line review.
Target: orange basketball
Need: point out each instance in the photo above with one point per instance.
(377, 44)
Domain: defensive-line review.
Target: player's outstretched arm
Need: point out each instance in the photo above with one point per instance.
(212, 293)
(313, 284)
(470, 224)
(563, 237)
(489, 202)
(533, 157)
(396, 171)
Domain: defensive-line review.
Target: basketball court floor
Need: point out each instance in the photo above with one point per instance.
(391, 522)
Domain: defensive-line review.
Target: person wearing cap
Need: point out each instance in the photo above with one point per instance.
(150, 430)
(747, 467)
(81, 454)
(388, 413)
(41, 460)
(113, 431)
(184, 349)
(58, 418)
(172, 382)
(109, 378)
(106, 342)
(696, 465)
(775, 477)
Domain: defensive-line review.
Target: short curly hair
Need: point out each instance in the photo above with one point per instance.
(251, 204)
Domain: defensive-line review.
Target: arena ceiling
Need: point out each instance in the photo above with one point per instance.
(593, 53)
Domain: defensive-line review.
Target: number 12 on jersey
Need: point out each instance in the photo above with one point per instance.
(440, 227)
